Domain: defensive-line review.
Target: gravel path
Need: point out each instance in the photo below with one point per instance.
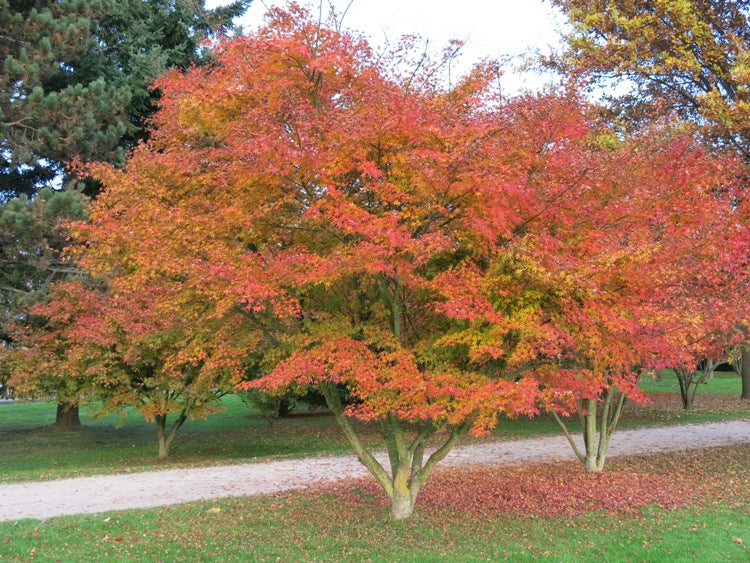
(45, 499)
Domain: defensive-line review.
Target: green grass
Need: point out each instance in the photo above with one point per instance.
(32, 449)
(349, 521)
(267, 530)
(723, 382)
(327, 526)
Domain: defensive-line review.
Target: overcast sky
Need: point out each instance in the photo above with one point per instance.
(489, 28)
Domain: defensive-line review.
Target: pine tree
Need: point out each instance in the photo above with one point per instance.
(76, 83)
(76, 77)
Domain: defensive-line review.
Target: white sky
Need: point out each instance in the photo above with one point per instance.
(495, 29)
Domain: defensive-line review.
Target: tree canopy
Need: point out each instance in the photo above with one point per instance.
(426, 253)
(686, 57)
(76, 77)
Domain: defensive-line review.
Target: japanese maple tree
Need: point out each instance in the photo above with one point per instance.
(426, 256)
(594, 273)
(122, 350)
(303, 189)
(684, 59)
(31, 248)
(710, 325)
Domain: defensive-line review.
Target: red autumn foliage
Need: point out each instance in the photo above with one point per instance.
(123, 350)
(302, 188)
(312, 213)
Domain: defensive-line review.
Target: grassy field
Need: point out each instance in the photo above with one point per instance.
(690, 506)
(32, 449)
(722, 382)
(684, 506)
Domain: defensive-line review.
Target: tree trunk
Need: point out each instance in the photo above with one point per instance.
(595, 441)
(708, 369)
(409, 468)
(67, 416)
(685, 379)
(402, 504)
(745, 374)
(166, 438)
(161, 432)
(596, 450)
(592, 465)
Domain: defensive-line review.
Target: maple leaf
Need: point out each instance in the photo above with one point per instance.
(426, 256)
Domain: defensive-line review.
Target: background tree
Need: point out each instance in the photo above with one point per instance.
(705, 334)
(122, 350)
(76, 84)
(31, 243)
(688, 59)
(76, 77)
(592, 269)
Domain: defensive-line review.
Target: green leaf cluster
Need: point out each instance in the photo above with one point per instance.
(76, 77)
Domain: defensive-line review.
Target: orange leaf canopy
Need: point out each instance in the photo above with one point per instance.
(436, 249)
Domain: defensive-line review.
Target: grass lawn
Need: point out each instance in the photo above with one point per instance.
(722, 382)
(687, 506)
(32, 449)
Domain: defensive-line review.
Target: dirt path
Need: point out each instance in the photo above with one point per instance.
(46, 499)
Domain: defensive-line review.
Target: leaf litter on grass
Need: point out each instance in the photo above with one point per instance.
(537, 512)
(626, 486)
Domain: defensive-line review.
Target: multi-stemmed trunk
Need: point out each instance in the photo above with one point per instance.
(166, 438)
(409, 469)
(405, 443)
(689, 380)
(598, 427)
